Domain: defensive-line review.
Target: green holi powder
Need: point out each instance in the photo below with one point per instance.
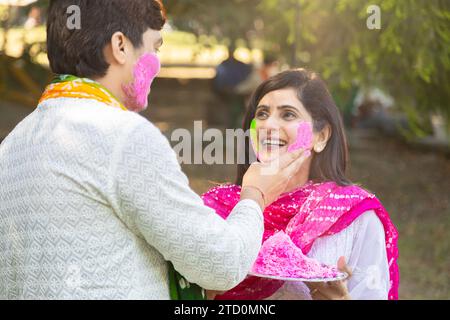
(254, 136)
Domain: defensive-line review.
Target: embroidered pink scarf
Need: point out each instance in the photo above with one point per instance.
(310, 212)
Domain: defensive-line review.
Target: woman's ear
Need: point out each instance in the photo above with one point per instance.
(322, 139)
(119, 48)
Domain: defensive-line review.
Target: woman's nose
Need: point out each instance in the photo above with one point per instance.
(270, 124)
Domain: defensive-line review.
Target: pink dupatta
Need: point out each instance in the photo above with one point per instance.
(306, 214)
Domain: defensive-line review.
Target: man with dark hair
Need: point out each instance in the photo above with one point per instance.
(82, 52)
(93, 202)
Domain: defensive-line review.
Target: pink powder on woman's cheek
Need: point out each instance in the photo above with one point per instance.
(145, 71)
(304, 138)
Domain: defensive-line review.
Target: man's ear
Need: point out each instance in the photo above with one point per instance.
(119, 48)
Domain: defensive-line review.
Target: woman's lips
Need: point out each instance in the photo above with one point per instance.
(272, 144)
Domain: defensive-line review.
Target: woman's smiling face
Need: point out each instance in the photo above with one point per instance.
(277, 117)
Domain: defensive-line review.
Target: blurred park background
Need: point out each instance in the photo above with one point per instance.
(392, 85)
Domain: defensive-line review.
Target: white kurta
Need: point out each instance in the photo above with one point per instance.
(93, 202)
(363, 245)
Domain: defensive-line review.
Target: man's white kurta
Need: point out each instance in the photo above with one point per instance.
(93, 202)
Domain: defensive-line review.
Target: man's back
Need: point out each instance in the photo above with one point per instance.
(59, 235)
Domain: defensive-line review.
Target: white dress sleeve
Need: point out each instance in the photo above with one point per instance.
(368, 259)
(154, 200)
(362, 243)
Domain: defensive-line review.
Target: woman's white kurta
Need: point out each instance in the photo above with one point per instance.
(363, 245)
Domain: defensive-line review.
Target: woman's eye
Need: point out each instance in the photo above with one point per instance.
(289, 115)
(261, 115)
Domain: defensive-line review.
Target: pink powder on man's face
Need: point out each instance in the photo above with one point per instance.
(279, 256)
(145, 71)
(304, 137)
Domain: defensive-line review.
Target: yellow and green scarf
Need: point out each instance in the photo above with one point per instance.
(68, 86)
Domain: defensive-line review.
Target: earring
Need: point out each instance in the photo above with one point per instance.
(319, 149)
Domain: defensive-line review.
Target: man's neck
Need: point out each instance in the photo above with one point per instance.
(114, 86)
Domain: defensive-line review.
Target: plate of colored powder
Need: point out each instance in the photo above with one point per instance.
(280, 259)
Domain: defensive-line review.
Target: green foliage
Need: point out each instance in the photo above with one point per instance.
(228, 21)
(409, 57)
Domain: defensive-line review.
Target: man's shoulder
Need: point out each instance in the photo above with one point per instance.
(94, 114)
(96, 121)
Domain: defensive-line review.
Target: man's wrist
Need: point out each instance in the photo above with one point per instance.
(254, 194)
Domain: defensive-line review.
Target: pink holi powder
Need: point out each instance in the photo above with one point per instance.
(279, 256)
(145, 71)
(304, 137)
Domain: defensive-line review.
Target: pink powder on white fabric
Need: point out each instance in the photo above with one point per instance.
(279, 256)
(304, 137)
(145, 71)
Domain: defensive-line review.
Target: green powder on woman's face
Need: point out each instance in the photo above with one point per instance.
(254, 136)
